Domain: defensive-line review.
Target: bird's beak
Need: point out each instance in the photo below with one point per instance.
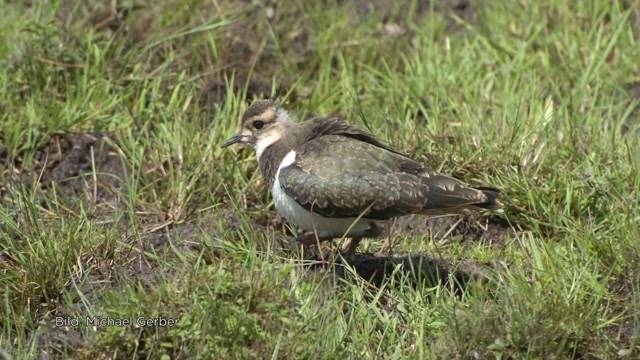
(232, 140)
(242, 137)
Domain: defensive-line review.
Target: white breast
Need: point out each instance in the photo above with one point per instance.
(296, 214)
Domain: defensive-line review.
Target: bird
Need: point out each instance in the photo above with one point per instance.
(333, 180)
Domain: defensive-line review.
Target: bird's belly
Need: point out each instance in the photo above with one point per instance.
(306, 220)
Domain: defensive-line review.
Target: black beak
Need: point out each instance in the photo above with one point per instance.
(232, 140)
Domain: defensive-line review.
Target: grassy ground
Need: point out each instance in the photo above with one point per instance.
(116, 200)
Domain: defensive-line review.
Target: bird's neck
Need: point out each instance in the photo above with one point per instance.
(270, 158)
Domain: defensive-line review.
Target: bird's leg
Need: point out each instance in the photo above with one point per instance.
(348, 246)
(388, 244)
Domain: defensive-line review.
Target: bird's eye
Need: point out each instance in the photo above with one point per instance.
(258, 124)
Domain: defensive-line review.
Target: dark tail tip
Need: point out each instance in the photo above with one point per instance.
(492, 198)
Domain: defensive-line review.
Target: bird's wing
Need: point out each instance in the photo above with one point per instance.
(337, 176)
(445, 194)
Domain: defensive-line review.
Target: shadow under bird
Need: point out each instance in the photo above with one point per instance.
(333, 180)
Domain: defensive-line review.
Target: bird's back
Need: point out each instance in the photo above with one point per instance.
(341, 171)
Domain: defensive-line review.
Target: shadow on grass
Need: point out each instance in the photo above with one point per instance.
(418, 269)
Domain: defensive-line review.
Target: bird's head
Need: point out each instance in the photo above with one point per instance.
(263, 124)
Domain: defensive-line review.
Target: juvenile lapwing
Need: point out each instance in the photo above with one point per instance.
(333, 180)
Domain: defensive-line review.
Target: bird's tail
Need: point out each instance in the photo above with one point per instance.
(492, 198)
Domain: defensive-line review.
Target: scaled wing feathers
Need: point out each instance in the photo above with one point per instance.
(344, 172)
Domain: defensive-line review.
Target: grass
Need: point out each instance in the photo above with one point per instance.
(150, 218)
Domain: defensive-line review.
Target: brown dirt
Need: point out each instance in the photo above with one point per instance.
(69, 162)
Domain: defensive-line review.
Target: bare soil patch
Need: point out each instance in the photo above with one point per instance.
(86, 166)
(79, 165)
